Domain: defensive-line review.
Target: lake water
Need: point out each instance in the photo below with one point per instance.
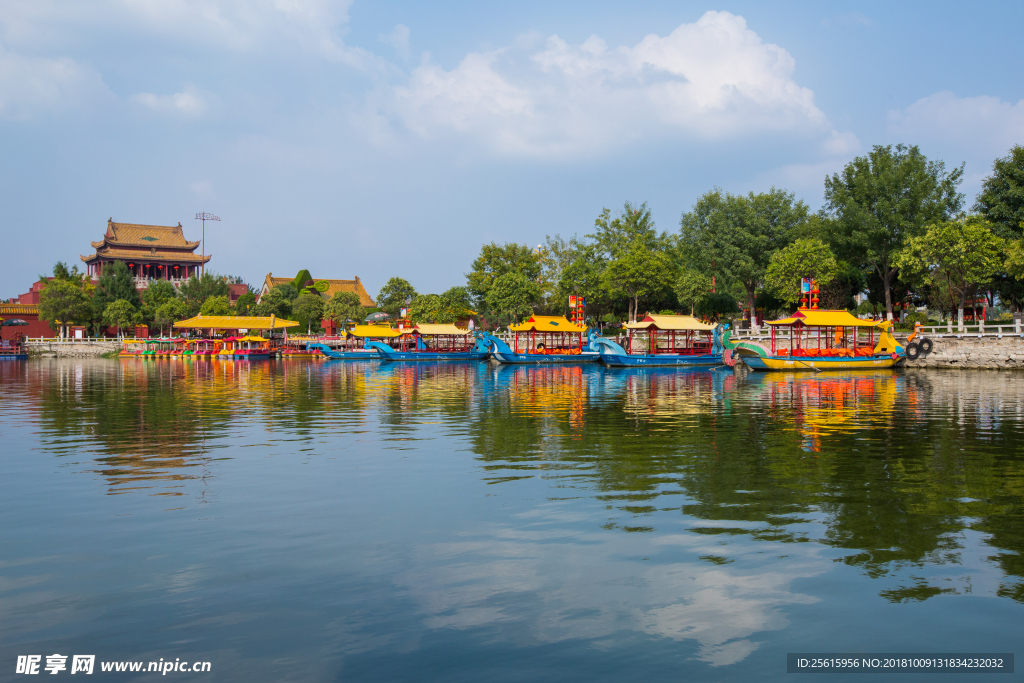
(316, 521)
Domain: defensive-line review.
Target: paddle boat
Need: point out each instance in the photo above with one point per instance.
(665, 340)
(816, 339)
(252, 347)
(433, 342)
(356, 343)
(545, 339)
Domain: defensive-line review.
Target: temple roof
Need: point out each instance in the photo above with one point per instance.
(138, 235)
(333, 286)
(147, 255)
(547, 323)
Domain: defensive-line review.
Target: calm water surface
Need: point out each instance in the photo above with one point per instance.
(313, 521)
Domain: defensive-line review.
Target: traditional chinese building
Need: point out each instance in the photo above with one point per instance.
(332, 286)
(151, 252)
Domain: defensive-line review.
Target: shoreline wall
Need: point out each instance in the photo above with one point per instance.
(71, 349)
(987, 353)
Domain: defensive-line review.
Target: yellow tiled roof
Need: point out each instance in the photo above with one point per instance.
(547, 323)
(231, 322)
(19, 309)
(671, 322)
(333, 286)
(136, 234)
(429, 330)
(146, 255)
(815, 317)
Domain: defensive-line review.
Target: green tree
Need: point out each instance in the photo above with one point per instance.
(496, 260)
(613, 236)
(733, 237)
(308, 308)
(638, 273)
(804, 258)
(883, 200)
(116, 284)
(245, 304)
(342, 307)
(394, 295)
(196, 290)
(449, 307)
(691, 286)
(583, 277)
(513, 295)
(960, 254)
(170, 312)
(1001, 200)
(155, 295)
(66, 299)
(122, 314)
(273, 302)
(216, 305)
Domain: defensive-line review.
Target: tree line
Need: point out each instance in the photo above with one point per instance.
(893, 225)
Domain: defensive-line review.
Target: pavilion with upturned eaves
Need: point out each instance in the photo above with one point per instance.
(151, 252)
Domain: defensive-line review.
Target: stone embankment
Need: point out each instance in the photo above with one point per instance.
(970, 352)
(55, 348)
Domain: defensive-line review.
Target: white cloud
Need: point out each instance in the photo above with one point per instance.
(29, 85)
(398, 39)
(713, 79)
(190, 102)
(980, 125)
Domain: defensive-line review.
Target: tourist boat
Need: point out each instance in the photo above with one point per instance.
(433, 342)
(252, 347)
(545, 339)
(815, 339)
(357, 344)
(665, 340)
(13, 348)
(204, 348)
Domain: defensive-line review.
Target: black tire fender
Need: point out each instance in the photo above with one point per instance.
(913, 351)
(926, 346)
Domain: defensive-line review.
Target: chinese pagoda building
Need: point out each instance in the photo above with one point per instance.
(151, 252)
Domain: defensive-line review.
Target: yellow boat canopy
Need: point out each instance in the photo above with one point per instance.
(230, 322)
(373, 331)
(432, 330)
(672, 322)
(819, 318)
(252, 338)
(547, 323)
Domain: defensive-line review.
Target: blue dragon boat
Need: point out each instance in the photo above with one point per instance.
(434, 343)
(545, 339)
(666, 341)
(357, 343)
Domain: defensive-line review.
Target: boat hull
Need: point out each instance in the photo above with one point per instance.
(617, 360)
(543, 358)
(345, 355)
(13, 356)
(788, 364)
(427, 356)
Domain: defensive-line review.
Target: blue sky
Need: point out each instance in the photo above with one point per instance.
(394, 138)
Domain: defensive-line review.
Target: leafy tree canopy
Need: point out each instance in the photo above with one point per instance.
(122, 314)
(513, 295)
(734, 236)
(342, 307)
(638, 273)
(691, 286)
(496, 260)
(66, 299)
(273, 303)
(804, 258)
(395, 294)
(962, 253)
(116, 284)
(245, 304)
(170, 312)
(197, 289)
(880, 201)
(449, 307)
(308, 309)
(613, 236)
(1001, 199)
(216, 305)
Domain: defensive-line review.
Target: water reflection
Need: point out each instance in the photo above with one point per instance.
(691, 506)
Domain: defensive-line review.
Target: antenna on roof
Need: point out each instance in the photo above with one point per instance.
(205, 217)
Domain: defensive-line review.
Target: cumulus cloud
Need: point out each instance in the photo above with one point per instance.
(984, 124)
(189, 102)
(30, 85)
(712, 79)
(398, 39)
